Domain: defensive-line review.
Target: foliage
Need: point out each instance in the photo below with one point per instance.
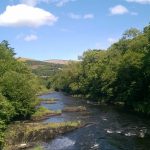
(131, 33)
(7, 111)
(42, 112)
(119, 74)
(18, 88)
(38, 148)
(43, 69)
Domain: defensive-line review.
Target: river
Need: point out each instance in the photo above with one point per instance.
(109, 128)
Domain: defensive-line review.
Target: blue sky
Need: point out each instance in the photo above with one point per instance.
(64, 29)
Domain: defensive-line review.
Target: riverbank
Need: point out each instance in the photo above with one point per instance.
(24, 135)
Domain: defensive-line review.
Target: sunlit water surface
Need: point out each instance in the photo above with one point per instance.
(109, 128)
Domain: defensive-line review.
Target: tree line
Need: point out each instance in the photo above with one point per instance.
(119, 74)
(18, 89)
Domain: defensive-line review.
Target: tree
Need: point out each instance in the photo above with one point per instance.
(19, 91)
(121, 73)
(18, 88)
(131, 33)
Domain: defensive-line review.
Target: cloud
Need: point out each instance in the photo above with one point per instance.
(77, 16)
(88, 16)
(112, 40)
(33, 2)
(24, 15)
(140, 1)
(118, 10)
(30, 37)
(60, 3)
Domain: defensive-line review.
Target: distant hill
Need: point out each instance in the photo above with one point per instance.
(58, 61)
(43, 68)
(24, 59)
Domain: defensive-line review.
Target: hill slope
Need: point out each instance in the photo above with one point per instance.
(43, 68)
(57, 61)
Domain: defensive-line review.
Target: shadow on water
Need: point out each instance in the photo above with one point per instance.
(112, 129)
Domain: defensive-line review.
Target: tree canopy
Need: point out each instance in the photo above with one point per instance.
(119, 74)
(18, 88)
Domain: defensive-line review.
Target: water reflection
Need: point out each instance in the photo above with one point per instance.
(61, 143)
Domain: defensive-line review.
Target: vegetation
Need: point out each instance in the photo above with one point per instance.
(43, 112)
(49, 102)
(18, 89)
(38, 148)
(120, 74)
(32, 133)
(74, 109)
(42, 70)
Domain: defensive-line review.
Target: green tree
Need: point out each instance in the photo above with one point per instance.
(131, 33)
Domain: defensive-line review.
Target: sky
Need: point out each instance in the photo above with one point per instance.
(64, 29)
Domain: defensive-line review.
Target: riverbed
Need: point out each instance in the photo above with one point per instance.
(108, 128)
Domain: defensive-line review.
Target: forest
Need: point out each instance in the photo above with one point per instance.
(120, 74)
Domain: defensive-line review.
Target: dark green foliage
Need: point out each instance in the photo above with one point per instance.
(18, 88)
(7, 111)
(120, 74)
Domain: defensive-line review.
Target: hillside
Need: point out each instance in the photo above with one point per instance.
(43, 68)
(57, 61)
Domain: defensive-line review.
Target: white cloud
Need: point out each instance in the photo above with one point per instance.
(140, 1)
(24, 15)
(77, 16)
(118, 10)
(30, 37)
(33, 2)
(112, 40)
(88, 16)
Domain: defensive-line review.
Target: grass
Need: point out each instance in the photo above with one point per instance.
(37, 148)
(50, 101)
(37, 102)
(75, 109)
(45, 91)
(43, 112)
(31, 127)
(33, 133)
(46, 101)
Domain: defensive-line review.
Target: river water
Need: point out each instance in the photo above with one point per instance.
(108, 129)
